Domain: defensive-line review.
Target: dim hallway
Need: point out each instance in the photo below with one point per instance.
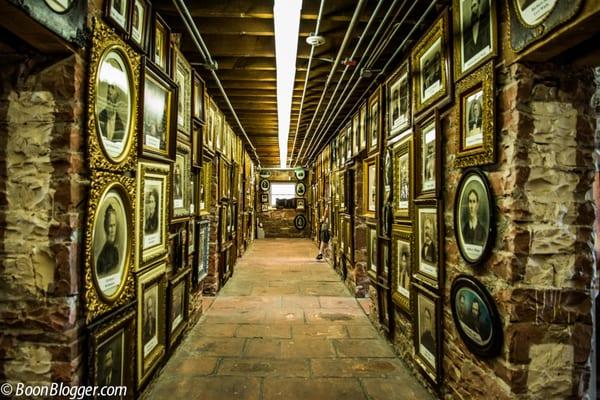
(284, 327)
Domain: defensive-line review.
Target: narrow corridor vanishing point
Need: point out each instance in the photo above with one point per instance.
(284, 327)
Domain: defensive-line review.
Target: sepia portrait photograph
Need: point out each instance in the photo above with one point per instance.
(113, 106)
(157, 113)
(299, 204)
(150, 319)
(363, 126)
(427, 331)
(183, 78)
(477, 24)
(118, 13)
(178, 181)
(473, 215)
(431, 71)
(427, 242)
(373, 121)
(110, 362)
(473, 124)
(404, 263)
(110, 242)
(403, 181)
(177, 306)
(140, 12)
(428, 157)
(153, 204)
(300, 189)
(372, 188)
(372, 250)
(191, 237)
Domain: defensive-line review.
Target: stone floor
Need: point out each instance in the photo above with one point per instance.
(284, 327)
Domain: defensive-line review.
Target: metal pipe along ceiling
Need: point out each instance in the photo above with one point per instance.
(199, 42)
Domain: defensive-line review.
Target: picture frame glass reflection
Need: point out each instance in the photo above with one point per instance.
(157, 106)
(111, 360)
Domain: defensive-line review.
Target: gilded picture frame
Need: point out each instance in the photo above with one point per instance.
(386, 192)
(374, 121)
(399, 103)
(403, 176)
(370, 192)
(178, 296)
(114, 72)
(180, 183)
(111, 348)
(402, 257)
(182, 75)
(209, 127)
(217, 128)
(475, 35)
(153, 194)
(349, 140)
(476, 142)
(109, 244)
(427, 156)
(157, 110)
(428, 243)
(428, 345)
(204, 188)
(356, 133)
(372, 250)
(432, 83)
(151, 312)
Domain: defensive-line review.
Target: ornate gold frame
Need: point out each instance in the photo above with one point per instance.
(429, 119)
(373, 146)
(145, 366)
(206, 182)
(96, 303)
(481, 79)
(373, 160)
(104, 40)
(439, 30)
(403, 147)
(181, 213)
(403, 233)
(160, 171)
(179, 62)
(429, 279)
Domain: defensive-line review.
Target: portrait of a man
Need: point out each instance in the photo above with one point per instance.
(476, 33)
(474, 119)
(426, 338)
(428, 249)
(473, 231)
(149, 318)
(431, 71)
(395, 108)
(151, 211)
(110, 361)
(108, 260)
(403, 98)
(404, 188)
(111, 125)
(178, 179)
(373, 117)
(429, 166)
(177, 309)
(372, 188)
(373, 248)
(403, 268)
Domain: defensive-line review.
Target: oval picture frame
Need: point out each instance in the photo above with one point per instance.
(265, 185)
(300, 189)
(474, 229)
(300, 222)
(300, 174)
(480, 330)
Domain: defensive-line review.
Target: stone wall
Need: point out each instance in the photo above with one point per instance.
(42, 213)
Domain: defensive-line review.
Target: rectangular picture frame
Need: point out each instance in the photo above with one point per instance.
(181, 182)
(428, 243)
(402, 257)
(374, 121)
(370, 184)
(182, 75)
(161, 45)
(428, 345)
(140, 23)
(178, 306)
(427, 157)
(372, 244)
(399, 110)
(403, 177)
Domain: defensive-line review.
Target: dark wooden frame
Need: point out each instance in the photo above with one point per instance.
(404, 147)
(433, 373)
(429, 279)
(122, 29)
(174, 333)
(146, 26)
(402, 233)
(425, 122)
(159, 23)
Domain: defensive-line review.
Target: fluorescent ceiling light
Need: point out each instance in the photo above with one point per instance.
(287, 25)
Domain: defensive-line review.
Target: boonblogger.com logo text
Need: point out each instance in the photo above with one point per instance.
(61, 390)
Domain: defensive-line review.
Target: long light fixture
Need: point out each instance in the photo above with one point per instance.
(286, 14)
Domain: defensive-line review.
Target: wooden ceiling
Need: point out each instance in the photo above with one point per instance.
(240, 37)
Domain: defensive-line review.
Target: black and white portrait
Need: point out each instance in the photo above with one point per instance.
(399, 103)
(183, 78)
(404, 270)
(152, 212)
(403, 183)
(373, 249)
(431, 71)
(476, 31)
(428, 251)
(179, 181)
(114, 104)
(117, 11)
(138, 19)
(533, 12)
(474, 219)
(373, 124)
(372, 188)
(150, 319)
(473, 123)
(157, 101)
(110, 242)
(110, 361)
(427, 329)
(428, 157)
(177, 306)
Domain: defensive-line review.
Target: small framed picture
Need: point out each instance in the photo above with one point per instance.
(198, 97)
(356, 133)
(140, 23)
(363, 126)
(342, 147)
(387, 214)
(475, 38)
(182, 72)
(427, 155)
(474, 216)
(191, 239)
(182, 181)
(403, 182)
(429, 61)
(426, 333)
(477, 139)
(476, 317)
(300, 189)
(398, 101)
(300, 222)
(178, 306)
(341, 190)
(402, 257)
(151, 341)
(372, 251)
(161, 45)
(370, 187)
(201, 267)
(264, 198)
(349, 138)
(427, 267)
(374, 121)
(265, 207)
(204, 185)
(117, 12)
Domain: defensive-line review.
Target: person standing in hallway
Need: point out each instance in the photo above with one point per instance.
(324, 233)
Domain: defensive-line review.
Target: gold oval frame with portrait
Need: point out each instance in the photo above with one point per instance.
(105, 42)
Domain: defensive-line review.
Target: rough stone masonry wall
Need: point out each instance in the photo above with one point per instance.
(540, 269)
(42, 207)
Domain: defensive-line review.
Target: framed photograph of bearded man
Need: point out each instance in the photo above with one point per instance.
(475, 34)
(474, 216)
(428, 243)
(153, 194)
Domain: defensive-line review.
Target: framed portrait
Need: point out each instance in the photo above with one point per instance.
(342, 147)
(161, 45)
(203, 232)
(474, 223)
(402, 257)
(475, 36)
(300, 222)
(178, 306)
(398, 101)
(342, 190)
(300, 204)
(427, 266)
(117, 13)
(427, 333)
(151, 341)
(264, 207)
(531, 20)
(349, 145)
(387, 214)
(217, 128)
(224, 179)
(111, 347)
(300, 189)
(476, 317)
(182, 72)
(363, 126)
(348, 238)
(403, 171)
(370, 187)
(191, 240)
(224, 222)
(140, 23)
(429, 61)
(109, 244)
(158, 109)
(372, 251)
(209, 128)
(198, 97)
(427, 156)
(112, 102)
(356, 133)
(384, 262)
(197, 133)
(374, 119)
(204, 187)
(334, 151)
(264, 198)
(477, 137)
(265, 185)
(181, 181)
(153, 193)
(300, 174)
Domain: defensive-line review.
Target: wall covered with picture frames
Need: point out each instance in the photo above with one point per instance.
(171, 205)
(443, 188)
